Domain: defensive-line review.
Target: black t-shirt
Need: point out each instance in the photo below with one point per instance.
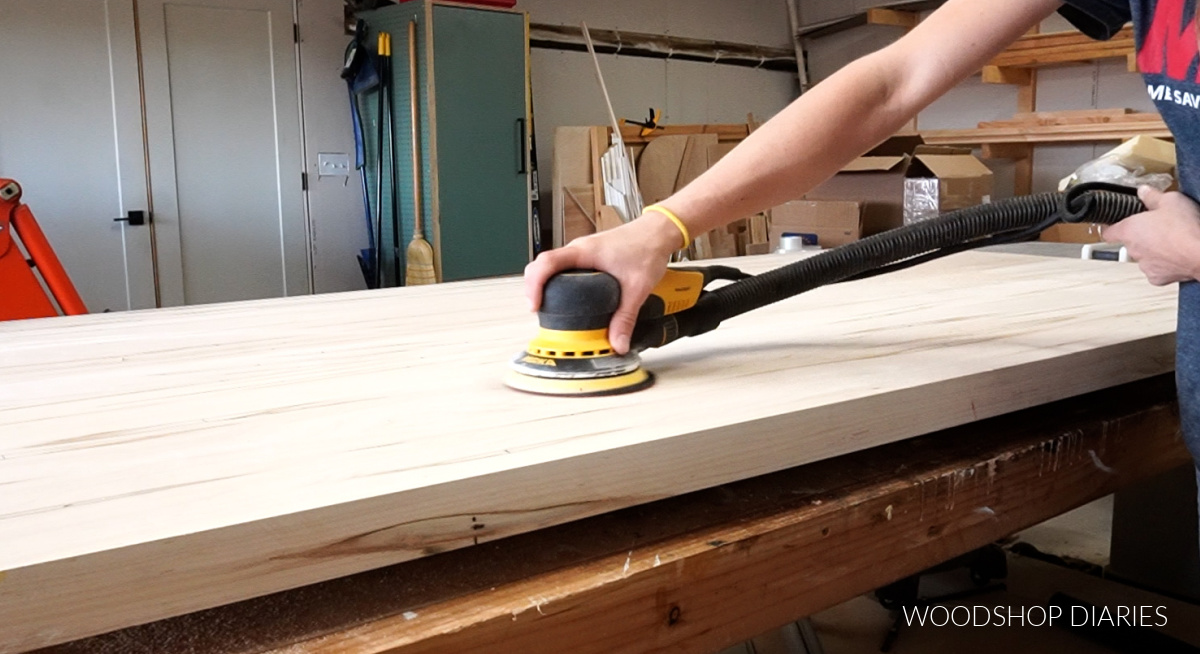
(1168, 58)
(1099, 19)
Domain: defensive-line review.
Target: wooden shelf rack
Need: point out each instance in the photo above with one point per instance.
(1057, 48)
(1087, 126)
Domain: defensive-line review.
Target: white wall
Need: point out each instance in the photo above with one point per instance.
(1104, 84)
(335, 205)
(759, 22)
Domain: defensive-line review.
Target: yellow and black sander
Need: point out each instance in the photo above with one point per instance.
(571, 354)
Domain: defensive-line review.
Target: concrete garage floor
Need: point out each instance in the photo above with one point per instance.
(1082, 534)
(1080, 537)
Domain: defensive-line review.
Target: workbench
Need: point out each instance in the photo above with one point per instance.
(708, 569)
(897, 423)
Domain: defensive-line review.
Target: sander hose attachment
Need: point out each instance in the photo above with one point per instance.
(1008, 221)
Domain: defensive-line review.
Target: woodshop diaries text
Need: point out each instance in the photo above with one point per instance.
(1035, 616)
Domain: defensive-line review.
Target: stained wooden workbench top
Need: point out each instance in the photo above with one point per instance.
(154, 463)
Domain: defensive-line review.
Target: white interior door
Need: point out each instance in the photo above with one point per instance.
(223, 118)
(71, 135)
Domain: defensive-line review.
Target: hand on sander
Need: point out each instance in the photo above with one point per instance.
(571, 354)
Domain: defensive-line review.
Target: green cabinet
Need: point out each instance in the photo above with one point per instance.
(473, 120)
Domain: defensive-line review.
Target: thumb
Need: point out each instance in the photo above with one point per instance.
(620, 329)
(1150, 196)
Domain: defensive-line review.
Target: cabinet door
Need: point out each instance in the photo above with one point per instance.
(482, 184)
(223, 119)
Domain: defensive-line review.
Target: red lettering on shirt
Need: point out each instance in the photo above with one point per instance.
(1170, 44)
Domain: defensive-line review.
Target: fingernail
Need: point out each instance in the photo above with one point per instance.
(621, 343)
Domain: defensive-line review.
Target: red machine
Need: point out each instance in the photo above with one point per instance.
(21, 294)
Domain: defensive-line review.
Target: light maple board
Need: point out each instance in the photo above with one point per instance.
(155, 463)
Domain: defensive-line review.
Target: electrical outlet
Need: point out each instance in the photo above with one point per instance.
(333, 164)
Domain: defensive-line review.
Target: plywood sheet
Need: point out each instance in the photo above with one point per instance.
(577, 212)
(695, 158)
(572, 168)
(154, 463)
(658, 167)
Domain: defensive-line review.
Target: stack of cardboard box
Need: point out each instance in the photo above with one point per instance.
(899, 182)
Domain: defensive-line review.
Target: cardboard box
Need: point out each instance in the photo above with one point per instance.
(876, 182)
(944, 179)
(830, 222)
(897, 144)
(1072, 233)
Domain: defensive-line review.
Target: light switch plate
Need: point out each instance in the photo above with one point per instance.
(333, 164)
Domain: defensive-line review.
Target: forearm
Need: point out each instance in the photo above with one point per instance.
(856, 108)
(803, 145)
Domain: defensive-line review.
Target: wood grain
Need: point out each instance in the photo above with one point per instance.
(695, 158)
(658, 167)
(155, 463)
(1086, 132)
(882, 16)
(608, 218)
(577, 217)
(725, 133)
(1068, 117)
(572, 168)
(598, 136)
(621, 574)
(1063, 47)
(846, 529)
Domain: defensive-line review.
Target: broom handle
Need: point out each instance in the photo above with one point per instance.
(416, 148)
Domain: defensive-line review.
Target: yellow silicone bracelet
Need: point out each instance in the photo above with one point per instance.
(687, 239)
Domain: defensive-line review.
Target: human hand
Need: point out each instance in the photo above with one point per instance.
(1164, 239)
(635, 253)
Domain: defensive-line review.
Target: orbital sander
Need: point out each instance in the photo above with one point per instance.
(571, 355)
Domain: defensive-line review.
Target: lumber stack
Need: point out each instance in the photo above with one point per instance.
(1038, 50)
(161, 462)
(1016, 138)
(1089, 125)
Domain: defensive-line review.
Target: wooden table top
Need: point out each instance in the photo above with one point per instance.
(155, 463)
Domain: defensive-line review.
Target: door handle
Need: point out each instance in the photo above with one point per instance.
(134, 218)
(524, 148)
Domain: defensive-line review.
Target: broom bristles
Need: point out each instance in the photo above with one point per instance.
(419, 270)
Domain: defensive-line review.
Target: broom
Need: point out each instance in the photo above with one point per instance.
(419, 270)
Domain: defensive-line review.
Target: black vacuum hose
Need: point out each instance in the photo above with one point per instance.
(1008, 221)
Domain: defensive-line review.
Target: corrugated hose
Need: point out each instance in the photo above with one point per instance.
(1008, 221)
